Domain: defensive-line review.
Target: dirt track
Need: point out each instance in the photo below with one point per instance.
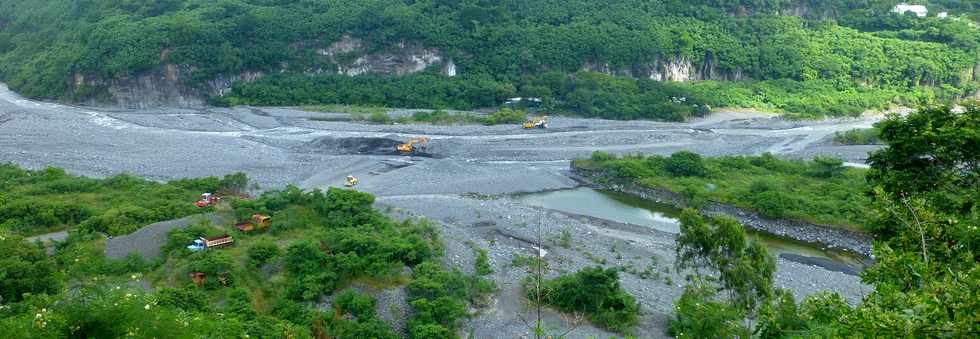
(278, 146)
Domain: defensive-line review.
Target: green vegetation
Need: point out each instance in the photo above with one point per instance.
(822, 191)
(840, 58)
(35, 202)
(263, 285)
(925, 219)
(593, 291)
(858, 136)
(439, 117)
(742, 271)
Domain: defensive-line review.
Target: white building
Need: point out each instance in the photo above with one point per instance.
(919, 10)
(942, 15)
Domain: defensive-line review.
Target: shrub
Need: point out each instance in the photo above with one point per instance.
(858, 136)
(262, 252)
(698, 315)
(599, 156)
(594, 291)
(482, 263)
(686, 164)
(826, 167)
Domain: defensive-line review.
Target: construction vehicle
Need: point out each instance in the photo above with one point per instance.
(258, 221)
(351, 181)
(207, 199)
(203, 243)
(538, 122)
(418, 144)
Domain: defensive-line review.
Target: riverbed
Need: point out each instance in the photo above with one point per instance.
(624, 208)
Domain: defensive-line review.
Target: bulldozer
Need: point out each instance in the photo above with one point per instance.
(417, 144)
(538, 122)
(351, 181)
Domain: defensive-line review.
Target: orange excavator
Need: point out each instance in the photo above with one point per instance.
(417, 144)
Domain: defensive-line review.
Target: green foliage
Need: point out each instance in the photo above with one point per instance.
(50, 199)
(932, 153)
(594, 291)
(482, 264)
(263, 252)
(25, 268)
(827, 167)
(685, 164)
(863, 58)
(857, 136)
(439, 298)
(819, 191)
(745, 269)
(699, 315)
(105, 312)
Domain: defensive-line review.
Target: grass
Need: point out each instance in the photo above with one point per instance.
(820, 193)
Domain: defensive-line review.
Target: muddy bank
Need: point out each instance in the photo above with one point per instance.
(827, 237)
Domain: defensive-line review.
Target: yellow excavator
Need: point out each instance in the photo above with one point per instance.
(351, 181)
(538, 122)
(414, 144)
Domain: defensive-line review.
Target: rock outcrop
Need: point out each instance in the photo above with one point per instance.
(402, 60)
(678, 68)
(167, 85)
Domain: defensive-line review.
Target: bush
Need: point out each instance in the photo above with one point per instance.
(25, 268)
(698, 315)
(686, 164)
(827, 167)
(599, 156)
(593, 291)
(858, 136)
(260, 253)
(482, 263)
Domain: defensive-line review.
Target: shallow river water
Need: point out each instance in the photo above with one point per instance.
(628, 209)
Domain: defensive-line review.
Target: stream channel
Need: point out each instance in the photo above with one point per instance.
(627, 209)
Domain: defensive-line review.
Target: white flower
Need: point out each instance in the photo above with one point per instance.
(146, 307)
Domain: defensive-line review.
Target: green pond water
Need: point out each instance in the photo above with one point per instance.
(629, 209)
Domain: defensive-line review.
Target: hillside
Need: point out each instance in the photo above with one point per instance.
(615, 59)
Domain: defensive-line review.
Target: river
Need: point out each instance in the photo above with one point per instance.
(628, 209)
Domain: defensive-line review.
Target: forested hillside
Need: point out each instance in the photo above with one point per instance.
(812, 57)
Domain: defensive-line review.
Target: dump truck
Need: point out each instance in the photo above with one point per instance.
(202, 243)
(417, 144)
(351, 181)
(258, 221)
(539, 122)
(207, 199)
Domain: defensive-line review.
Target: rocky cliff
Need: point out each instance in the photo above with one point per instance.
(167, 85)
(678, 68)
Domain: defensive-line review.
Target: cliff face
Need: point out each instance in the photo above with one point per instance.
(671, 69)
(166, 86)
(162, 87)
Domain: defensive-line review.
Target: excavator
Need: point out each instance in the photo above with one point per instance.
(418, 144)
(351, 181)
(538, 122)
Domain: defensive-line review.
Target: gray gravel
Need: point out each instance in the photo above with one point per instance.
(148, 240)
(506, 227)
(276, 146)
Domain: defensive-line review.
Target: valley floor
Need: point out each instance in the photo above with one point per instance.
(279, 146)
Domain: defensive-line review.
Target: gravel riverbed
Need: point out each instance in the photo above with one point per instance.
(280, 146)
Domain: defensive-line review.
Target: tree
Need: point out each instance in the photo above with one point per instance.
(744, 271)
(827, 167)
(686, 164)
(933, 153)
(25, 268)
